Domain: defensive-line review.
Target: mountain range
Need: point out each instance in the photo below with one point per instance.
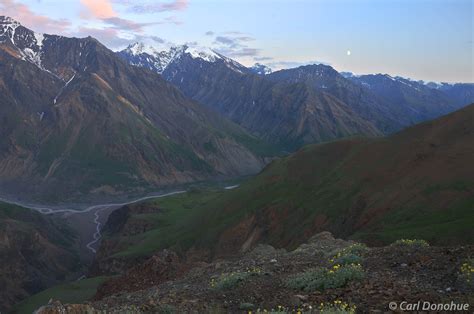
(78, 119)
(372, 158)
(309, 104)
(82, 120)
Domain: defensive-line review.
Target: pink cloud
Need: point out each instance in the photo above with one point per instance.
(127, 25)
(144, 7)
(177, 5)
(98, 9)
(103, 11)
(26, 17)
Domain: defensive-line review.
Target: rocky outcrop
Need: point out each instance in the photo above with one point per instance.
(395, 273)
(163, 266)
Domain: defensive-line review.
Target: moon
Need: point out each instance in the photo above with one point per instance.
(348, 52)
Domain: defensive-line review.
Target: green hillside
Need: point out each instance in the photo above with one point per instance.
(416, 184)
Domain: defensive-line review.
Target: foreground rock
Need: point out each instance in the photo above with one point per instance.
(259, 280)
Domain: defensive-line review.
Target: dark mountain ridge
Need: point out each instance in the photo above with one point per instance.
(321, 97)
(77, 118)
(287, 115)
(415, 100)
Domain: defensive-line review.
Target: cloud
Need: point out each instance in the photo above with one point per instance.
(263, 58)
(235, 44)
(240, 52)
(225, 41)
(144, 7)
(233, 33)
(116, 31)
(157, 39)
(124, 24)
(232, 42)
(100, 9)
(177, 5)
(26, 17)
(209, 33)
(114, 38)
(171, 20)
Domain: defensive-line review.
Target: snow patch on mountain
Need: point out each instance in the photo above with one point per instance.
(28, 43)
(203, 53)
(8, 27)
(140, 48)
(39, 39)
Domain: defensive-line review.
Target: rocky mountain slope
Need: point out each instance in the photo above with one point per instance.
(416, 101)
(36, 252)
(459, 93)
(321, 98)
(325, 275)
(417, 183)
(288, 115)
(78, 119)
(323, 78)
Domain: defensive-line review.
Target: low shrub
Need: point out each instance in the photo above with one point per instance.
(322, 278)
(231, 280)
(246, 306)
(347, 259)
(337, 307)
(412, 243)
(353, 254)
(227, 281)
(467, 272)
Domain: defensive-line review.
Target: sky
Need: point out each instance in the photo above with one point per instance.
(429, 40)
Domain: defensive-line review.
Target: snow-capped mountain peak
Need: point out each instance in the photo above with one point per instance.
(8, 27)
(261, 69)
(207, 54)
(6, 21)
(28, 43)
(158, 59)
(139, 48)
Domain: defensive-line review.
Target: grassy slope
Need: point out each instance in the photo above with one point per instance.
(418, 183)
(37, 251)
(174, 223)
(74, 292)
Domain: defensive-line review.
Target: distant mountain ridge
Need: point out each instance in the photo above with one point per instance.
(259, 103)
(459, 94)
(287, 115)
(415, 98)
